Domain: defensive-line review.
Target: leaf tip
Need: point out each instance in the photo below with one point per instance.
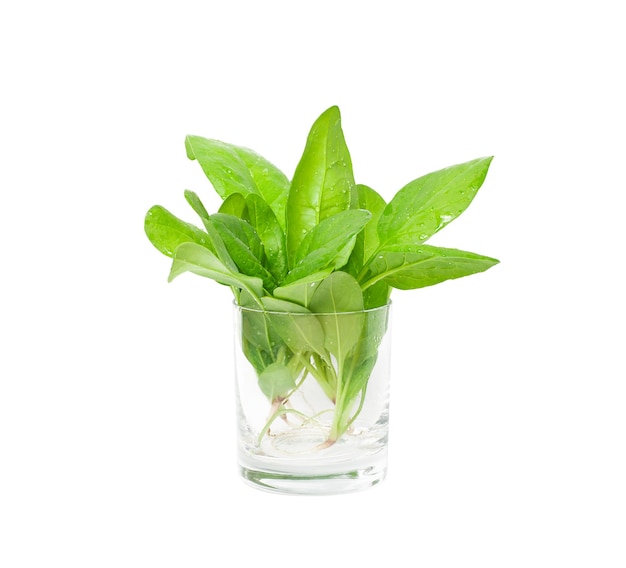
(189, 148)
(332, 114)
(487, 160)
(150, 217)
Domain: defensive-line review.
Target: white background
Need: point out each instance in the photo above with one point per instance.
(508, 416)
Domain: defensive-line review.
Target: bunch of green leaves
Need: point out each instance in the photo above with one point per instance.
(310, 259)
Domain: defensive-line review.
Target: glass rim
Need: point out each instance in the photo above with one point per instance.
(274, 312)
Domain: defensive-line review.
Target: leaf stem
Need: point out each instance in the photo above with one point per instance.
(307, 365)
(359, 408)
(326, 377)
(366, 266)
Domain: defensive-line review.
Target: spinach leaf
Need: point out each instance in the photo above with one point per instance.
(234, 204)
(367, 240)
(276, 381)
(216, 242)
(358, 367)
(300, 334)
(256, 330)
(323, 182)
(191, 257)
(301, 291)
(429, 203)
(262, 341)
(166, 231)
(244, 247)
(338, 301)
(328, 245)
(258, 358)
(272, 237)
(234, 169)
(258, 343)
(374, 330)
(376, 295)
(359, 378)
(197, 206)
(408, 267)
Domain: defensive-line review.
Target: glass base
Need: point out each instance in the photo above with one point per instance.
(315, 480)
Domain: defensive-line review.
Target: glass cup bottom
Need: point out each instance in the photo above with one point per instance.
(316, 474)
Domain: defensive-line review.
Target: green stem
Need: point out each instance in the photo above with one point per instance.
(338, 427)
(373, 281)
(360, 407)
(339, 387)
(298, 384)
(326, 377)
(366, 266)
(280, 356)
(307, 365)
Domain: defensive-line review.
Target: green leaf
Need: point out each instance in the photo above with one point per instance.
(234, 169)
(337, 293)
(334, 299)
(272, 237)
(256, 328)
(359, 378)
(216, 243)
(280, 306)
(244, 246)
(429, 203)
(298, 327)
(276, 381)
(374, 330)
(376, 295)
(258, 358)
(323, 182)
(367, 240)
(301, 291)
(166, 231)
(219, 247)
(328, 245)
(234, 204)
(272, 184)
(409, 267)
(360, 364)
(197, 205)
(191, 257)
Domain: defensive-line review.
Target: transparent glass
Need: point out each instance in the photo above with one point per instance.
(312, 395)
